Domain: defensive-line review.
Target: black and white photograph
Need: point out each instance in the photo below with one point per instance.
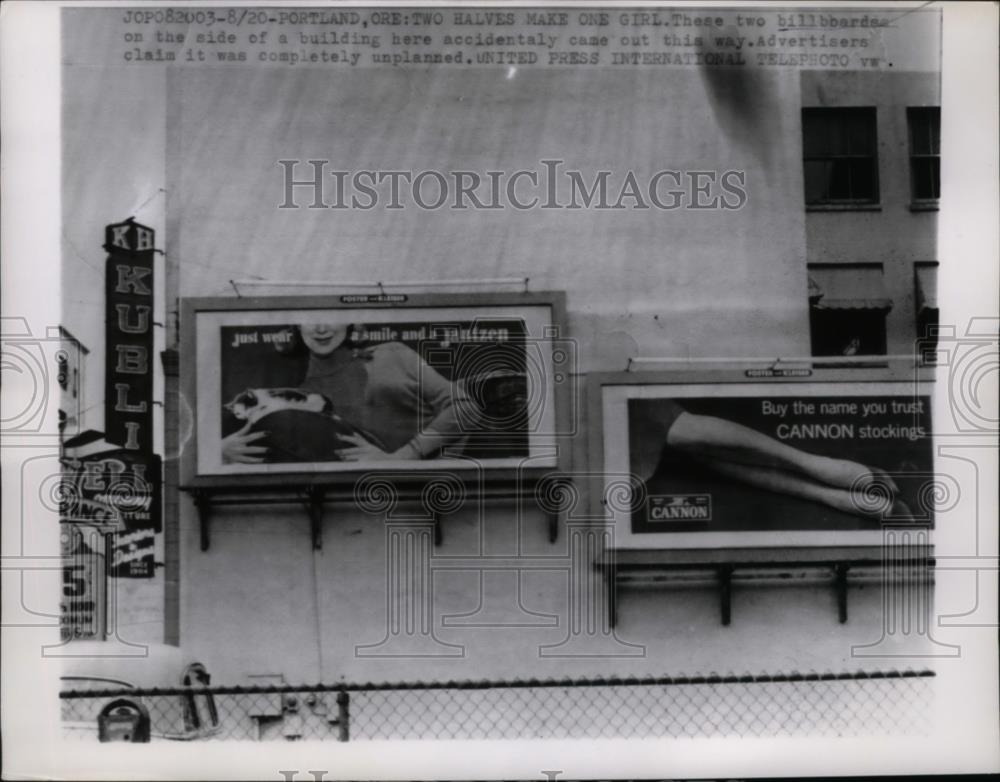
(492, 390)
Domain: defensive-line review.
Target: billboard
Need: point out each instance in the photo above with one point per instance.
(726, 460)
(401, 382)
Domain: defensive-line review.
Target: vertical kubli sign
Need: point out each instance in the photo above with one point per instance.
(128, 396)
(128, 392)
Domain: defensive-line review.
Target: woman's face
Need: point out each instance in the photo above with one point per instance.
(323, 338)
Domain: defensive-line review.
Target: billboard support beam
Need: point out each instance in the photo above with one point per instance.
(316, 495)
(725, 563)
(726, 593)
(841, 582)
(209, 494)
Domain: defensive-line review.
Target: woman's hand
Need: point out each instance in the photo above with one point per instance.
(237, 448)
(364, 451)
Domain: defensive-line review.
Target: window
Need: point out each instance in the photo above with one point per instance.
(839, 159)
(925, 152)
(847, 309)
(846, 333)
(925, 285)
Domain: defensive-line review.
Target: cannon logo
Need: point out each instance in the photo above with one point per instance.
(679, 507)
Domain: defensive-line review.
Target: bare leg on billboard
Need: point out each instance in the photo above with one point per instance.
(710, 438)
(796, 485)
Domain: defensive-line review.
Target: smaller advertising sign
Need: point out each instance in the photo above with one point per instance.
(133, 554)
(120, 488)
(82, 608)
(766, 462)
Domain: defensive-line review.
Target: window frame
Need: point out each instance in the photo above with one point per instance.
(926, 320)
(912, 113)
(828, 203)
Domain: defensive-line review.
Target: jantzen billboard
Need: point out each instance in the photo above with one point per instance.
(338, 385)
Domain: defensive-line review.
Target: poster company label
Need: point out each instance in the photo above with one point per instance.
(373, 298)
(779, 372)
(679, 507)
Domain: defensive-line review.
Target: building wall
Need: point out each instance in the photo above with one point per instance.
(639, 282)
(890, 233)
(260, 601)
(684, 284)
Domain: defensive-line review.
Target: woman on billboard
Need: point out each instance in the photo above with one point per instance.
(355, 404)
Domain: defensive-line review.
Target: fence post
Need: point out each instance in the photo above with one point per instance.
(343, 716)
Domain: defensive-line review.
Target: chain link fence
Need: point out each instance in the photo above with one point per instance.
(821, 705)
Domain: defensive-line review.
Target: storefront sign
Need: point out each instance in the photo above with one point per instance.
(128, 393)
(119, 492)
(120, 489)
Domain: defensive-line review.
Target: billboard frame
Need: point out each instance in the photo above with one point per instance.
(428, 478)
(866, 380)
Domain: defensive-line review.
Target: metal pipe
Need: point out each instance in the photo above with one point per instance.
(611, 681)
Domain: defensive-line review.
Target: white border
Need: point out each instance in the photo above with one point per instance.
(966, 727)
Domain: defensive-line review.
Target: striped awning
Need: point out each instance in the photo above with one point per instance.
(848, 288)
(927, 288)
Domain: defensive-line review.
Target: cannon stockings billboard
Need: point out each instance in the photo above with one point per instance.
(775, 463)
